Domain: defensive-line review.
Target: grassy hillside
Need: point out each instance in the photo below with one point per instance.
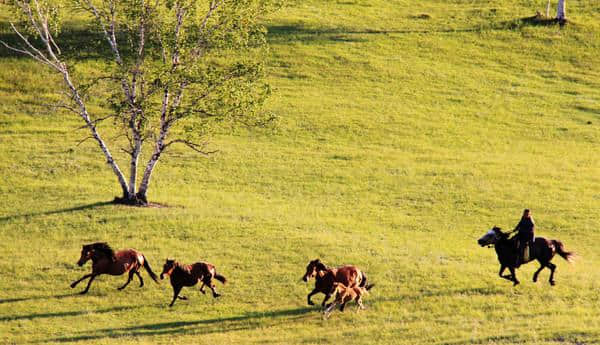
(407, 129)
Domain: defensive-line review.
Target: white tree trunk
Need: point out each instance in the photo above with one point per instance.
(143, 190)
(561, 12)
(158, 148)
(85, 116)
(135, 154)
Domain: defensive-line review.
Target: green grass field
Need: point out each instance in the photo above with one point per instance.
(407, 129)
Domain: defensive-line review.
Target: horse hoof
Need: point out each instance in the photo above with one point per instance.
(73, 285)
(516, 283)
(552, 283)
(311, 303)
(83, 292)
(216, 295)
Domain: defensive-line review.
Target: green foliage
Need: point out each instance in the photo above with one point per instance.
(403, 138)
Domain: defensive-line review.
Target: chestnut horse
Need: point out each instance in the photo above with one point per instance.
(325, 278)
(188, 275)
(343, 295)
(542, 250)
(106, 261)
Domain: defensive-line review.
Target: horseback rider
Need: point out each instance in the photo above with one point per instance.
(524, 236)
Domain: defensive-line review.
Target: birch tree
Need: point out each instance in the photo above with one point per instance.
(171, 70)
(561, 11)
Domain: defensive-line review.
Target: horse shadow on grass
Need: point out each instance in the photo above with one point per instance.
(33, 298)
(248, 321)
(34, 316)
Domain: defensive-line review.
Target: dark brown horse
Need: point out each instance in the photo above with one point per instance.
(542, 250)
(188, 275)
(106, 261)
(325, 278)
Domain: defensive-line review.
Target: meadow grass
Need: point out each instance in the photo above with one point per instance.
(406, 130)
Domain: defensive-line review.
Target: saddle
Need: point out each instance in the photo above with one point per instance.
(525, 253)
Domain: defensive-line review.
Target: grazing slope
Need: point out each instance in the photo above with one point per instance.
(407, 129)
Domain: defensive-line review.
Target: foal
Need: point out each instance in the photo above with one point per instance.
(188, 275)
(345, 294)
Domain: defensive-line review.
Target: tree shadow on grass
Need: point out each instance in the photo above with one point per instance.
(64, 313)
(297, 32)
(75, 42)
(248, 321)
(62, 210)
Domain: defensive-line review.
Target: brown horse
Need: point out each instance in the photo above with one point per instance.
(542, 250)
(106, 261)
(188, 275)
(325, 278)
(344, 294)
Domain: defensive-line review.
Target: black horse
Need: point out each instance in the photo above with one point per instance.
(541, 249)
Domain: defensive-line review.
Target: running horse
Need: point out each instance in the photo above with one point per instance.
(106, 261)
(541, 249)
(189, 275)
(325, 278)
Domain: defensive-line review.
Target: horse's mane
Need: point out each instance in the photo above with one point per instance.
(105, 249)
(321, 266)
(181, 267)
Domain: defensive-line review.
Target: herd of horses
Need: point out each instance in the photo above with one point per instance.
(346, 283)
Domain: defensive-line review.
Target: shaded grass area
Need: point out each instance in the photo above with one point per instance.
(407, 130)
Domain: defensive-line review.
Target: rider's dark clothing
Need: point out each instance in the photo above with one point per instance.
(525, 236)
(526, 228)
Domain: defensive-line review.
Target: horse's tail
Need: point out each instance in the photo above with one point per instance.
(149, 270)
(560, 249)
(363, 282)
(220, 278)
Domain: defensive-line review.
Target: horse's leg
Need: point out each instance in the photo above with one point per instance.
(88, 284)
(329, 309)
(535, 275)
(137, 273)
(73, 284)
(360, 304)
(129, 279)
(552, 268)
(176, 291)
(342, 306)
(208, 282)
(327, 296)
(507, 277)
(514, 276)
(314, 291)
(202, 288)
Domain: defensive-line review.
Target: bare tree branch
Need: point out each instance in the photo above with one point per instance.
(194, 146)
(95, 122)
(84, 140)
